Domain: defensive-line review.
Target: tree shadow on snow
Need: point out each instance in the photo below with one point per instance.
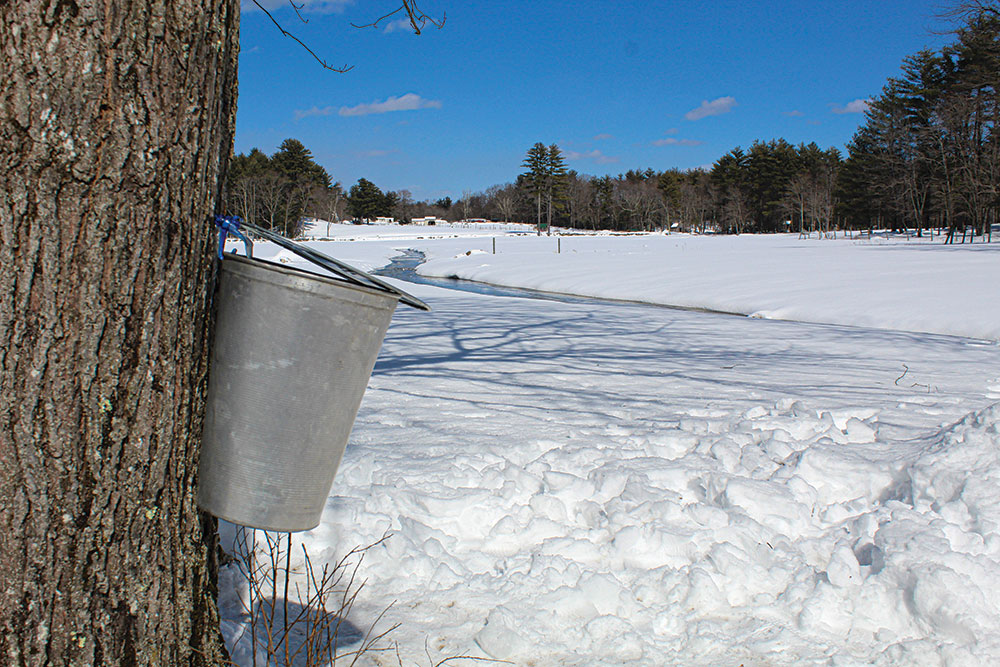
(502, 349)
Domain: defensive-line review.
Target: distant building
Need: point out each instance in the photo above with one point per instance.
(429, 220)
(384, 221)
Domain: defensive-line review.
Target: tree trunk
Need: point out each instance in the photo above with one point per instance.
(116, 123)
(548, 215)
(538, 216)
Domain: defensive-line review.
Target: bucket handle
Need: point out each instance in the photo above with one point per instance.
(230, 224)
(334, 266)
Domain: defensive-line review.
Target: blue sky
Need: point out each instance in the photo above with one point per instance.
(617, 85)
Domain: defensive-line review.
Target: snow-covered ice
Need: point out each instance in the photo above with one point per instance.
(595, 484)
(913, 286)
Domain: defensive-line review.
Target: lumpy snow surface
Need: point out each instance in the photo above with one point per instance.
(571, 484)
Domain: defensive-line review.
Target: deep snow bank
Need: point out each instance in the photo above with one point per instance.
(757, 535)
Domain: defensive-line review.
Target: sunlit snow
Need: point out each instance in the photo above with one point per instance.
(605, 484)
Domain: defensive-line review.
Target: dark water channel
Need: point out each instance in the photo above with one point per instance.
(404, 267)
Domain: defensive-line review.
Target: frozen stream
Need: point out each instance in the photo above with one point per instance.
(404, 267)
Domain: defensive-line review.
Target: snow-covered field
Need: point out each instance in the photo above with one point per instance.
(882, 283)
(595, 484)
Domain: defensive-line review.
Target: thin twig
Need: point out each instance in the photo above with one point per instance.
(474, 658)
(368, 641)
(297, 12)
(284, 601)
(907, 370)
(313, 626)
(374, 24)
(418, 19)
(341, 70)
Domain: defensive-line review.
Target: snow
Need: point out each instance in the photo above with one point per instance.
(599, 484)
(911, 286)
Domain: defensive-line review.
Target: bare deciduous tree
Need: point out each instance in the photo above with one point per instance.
(506, 202)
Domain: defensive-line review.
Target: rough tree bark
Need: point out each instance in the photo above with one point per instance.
(116, 121)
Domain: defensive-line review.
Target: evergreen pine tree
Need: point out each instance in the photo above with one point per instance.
(390, 200)
(555, 182)
(535, 179)
(365, 201)
(669, 185)
(295, 161)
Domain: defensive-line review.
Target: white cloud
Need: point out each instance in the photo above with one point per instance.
(671, 141)
(399, 25)
(714, 108)
(603, 136)
(795, 113)
(317, 6)
(595, 155)
(315, 111)
(857, 106)
(407, 102)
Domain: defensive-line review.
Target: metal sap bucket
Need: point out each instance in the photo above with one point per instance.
(292, 357)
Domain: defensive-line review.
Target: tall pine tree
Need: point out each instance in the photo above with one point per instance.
(535, 179)
(365, 201)
(555, 182)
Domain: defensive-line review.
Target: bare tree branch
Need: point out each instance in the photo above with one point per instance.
(297, 12)
(374, 24)
(418, 19)
(963, 11)
(345, 68)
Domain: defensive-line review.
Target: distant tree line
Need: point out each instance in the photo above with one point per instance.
(282, 190)
(277, 192)
(929, 153)
(765, 188)
(927, 157)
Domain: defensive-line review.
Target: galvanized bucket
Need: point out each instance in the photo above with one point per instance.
(292, 356)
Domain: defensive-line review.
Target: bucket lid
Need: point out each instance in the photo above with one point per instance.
(343, 271)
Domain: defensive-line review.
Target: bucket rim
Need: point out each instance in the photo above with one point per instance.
(334, 266)
(300, 273)
(273, 526)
